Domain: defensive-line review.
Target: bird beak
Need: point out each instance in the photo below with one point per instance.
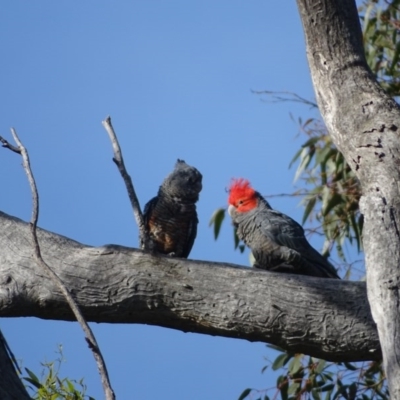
(231, 210)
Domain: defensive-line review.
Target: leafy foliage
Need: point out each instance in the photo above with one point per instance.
(216, 221)
(309, 378)
(381, 29)
(51, 387)
(333, 199)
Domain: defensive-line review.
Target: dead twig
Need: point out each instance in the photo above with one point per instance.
(5, 144)
(294, 194)
(144, 238)
(283, 96)
(90, 338)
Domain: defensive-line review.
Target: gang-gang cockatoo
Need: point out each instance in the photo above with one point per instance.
(171, 217)
(276, 240)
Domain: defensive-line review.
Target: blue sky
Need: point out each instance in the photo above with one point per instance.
(177, 78)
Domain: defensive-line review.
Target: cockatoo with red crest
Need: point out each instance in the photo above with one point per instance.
(276, 240)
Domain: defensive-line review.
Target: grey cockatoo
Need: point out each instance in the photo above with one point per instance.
(276, 240)
(171, 217)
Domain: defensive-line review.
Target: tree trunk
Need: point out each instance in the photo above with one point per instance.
(325, 318)
(11, 387)
(364, 124)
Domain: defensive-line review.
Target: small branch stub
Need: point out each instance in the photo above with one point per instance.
(9, 146)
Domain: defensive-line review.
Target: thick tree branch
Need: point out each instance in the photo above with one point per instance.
(322, 317)
(364, 123)
(11, 387)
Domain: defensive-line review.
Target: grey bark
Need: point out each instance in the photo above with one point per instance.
(325, 318)
(364, 124)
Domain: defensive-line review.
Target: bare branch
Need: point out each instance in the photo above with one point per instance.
(294, 194)
(9, 146)
(278, 97)
(90, 338)
(119, 161)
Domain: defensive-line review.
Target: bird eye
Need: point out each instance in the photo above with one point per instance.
(240, 202)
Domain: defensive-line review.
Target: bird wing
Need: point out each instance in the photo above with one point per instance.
(147, 214)
(284, 231)
(191, 236)
(148, 210)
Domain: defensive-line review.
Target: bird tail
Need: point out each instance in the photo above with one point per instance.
(320, 266)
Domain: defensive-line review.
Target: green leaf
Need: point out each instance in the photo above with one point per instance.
(350, 366)
(244, 394)
(263, 369)
(332, 201)
(33, 382)
(295, 365)
(309, 207)
(32, 375)
(216, 220)
(328, 395)
(296, 156)
(324, 154)
(357, 229)
(281, 360)
(326, 195)
(353, 390)
(274, 347)
(71, 387)
(341, 391)
(294, 388)
(283, 386)
(306, 156)
(315, 394)
(327, 387)
(309, 144)
(320, 366)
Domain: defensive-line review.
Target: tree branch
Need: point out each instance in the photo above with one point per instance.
(90, 338)
(282, 96)
(119, 162)
(322, 317)
(7, 145)
(11, 387)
